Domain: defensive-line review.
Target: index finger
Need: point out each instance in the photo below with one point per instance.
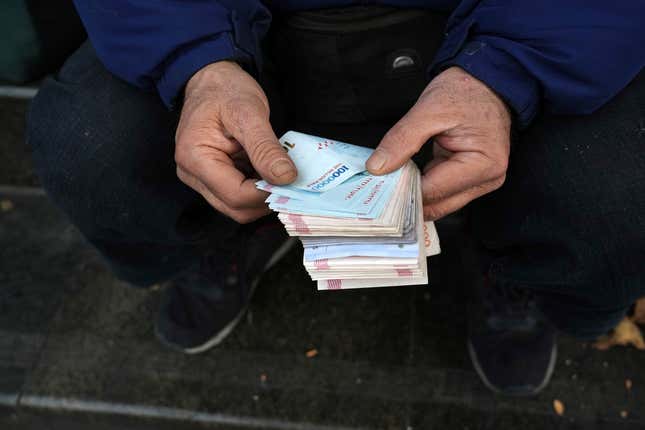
(458, 173)
(407, 136)
(221, 177)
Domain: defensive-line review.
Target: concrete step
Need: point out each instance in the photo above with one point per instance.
(77, 350)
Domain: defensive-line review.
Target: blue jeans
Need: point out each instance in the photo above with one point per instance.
(568, 223)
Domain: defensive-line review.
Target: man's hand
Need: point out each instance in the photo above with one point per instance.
(470, 127)
(225, 119)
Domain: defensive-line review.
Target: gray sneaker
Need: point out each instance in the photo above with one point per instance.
(512, 346)
(205, 304)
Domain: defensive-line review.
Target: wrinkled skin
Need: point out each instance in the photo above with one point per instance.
(224, 140)
(224, 125)
(470, 127)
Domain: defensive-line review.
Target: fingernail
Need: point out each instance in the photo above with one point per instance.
(281, 168)
(376, 161)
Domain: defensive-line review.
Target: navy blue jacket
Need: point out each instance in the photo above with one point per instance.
(566, 56)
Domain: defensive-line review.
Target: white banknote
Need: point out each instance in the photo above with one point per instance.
(393, 273)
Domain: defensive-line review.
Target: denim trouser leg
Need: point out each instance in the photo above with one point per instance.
(570, 221)
(104, 151)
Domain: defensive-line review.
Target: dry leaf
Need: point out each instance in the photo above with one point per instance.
(639, 311)
(312, 353)
(625, 333)
(6, 205)
(558, 407)
(628, 384)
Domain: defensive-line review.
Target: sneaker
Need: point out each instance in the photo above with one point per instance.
(204, 304)
(512, 346)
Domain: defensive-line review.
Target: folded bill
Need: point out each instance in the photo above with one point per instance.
(322, 187)
(323, 164)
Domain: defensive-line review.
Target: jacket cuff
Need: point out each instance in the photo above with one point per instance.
(182, 66)
(502, 73)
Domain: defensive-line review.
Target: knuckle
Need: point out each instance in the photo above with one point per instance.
(497, 183)
(230, 103)
(242, 217)
(235, 113)
(495, 168)
(241, 110)
(233, 201)
(181, 174)
(233, 108)
(236, 217)
(397, 136)
(500, 168)
(181, 161)
(181, 154)
(495, 172)
(232, 214)
(434, 193)
(481, 190)
(433, 212)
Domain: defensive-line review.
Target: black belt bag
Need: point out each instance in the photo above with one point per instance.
(354, 64)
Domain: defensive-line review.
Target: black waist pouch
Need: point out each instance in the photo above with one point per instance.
(356, 64)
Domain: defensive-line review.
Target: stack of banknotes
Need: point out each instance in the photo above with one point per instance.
(358, 230)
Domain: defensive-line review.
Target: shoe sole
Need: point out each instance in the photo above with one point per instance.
(496, 390)
(223, 333)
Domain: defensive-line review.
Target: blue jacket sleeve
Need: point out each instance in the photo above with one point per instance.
(159, 44)
(566, 57)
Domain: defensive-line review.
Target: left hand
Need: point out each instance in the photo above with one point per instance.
(470, 126)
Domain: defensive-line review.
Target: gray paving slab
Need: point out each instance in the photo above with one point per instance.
(36, 249)
(77, 347)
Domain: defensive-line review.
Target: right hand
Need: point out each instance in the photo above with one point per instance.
(225, 117)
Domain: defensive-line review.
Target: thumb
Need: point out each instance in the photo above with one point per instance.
(250, 126)
(404, 140)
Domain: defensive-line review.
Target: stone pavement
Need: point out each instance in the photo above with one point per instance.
(77, 349)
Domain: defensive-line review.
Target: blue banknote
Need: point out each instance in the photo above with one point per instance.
(323, 164)
(362, 196)
(324, 189)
